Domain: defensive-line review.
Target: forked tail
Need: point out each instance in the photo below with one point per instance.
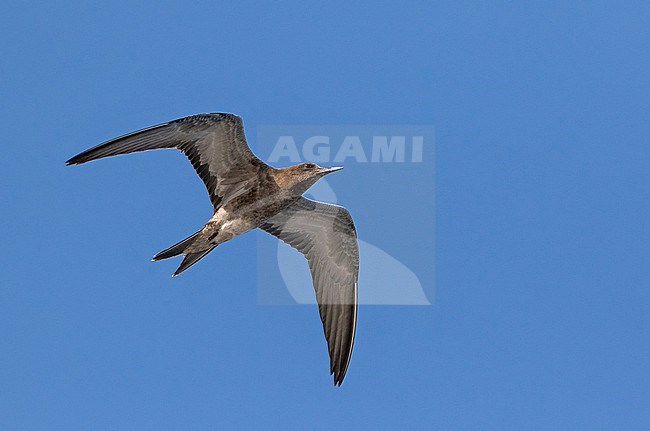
(180, 247)
(177, 248)
(190, 259)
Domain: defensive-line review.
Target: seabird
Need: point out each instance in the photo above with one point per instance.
(246, 193)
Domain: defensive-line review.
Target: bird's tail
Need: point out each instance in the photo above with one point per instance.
(194, 247)
(177, 248)
(190, 259)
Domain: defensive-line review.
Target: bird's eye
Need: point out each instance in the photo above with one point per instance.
(309, 166)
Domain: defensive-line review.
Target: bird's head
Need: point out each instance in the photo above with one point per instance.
(304, 175)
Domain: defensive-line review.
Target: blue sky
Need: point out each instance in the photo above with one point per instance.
(538, 269)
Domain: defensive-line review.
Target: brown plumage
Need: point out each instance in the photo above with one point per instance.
(246, 193)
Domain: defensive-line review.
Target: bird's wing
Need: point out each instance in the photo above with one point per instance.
(325, 234)
(214, 143)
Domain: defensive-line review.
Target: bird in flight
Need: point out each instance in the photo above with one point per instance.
(246, 193)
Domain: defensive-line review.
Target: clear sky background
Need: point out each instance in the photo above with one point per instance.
(538, 271)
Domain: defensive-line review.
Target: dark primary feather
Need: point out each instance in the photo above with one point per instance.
(215, 144)
(325, 234)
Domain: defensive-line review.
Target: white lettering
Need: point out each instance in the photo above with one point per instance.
(285, 147)
(322, 154)
(384, 150)
(351, 147)
(416, 155)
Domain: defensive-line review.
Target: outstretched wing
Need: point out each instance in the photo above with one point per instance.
(325, 234)
(214, 143)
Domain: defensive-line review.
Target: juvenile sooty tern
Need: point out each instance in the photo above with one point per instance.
(246, 193)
